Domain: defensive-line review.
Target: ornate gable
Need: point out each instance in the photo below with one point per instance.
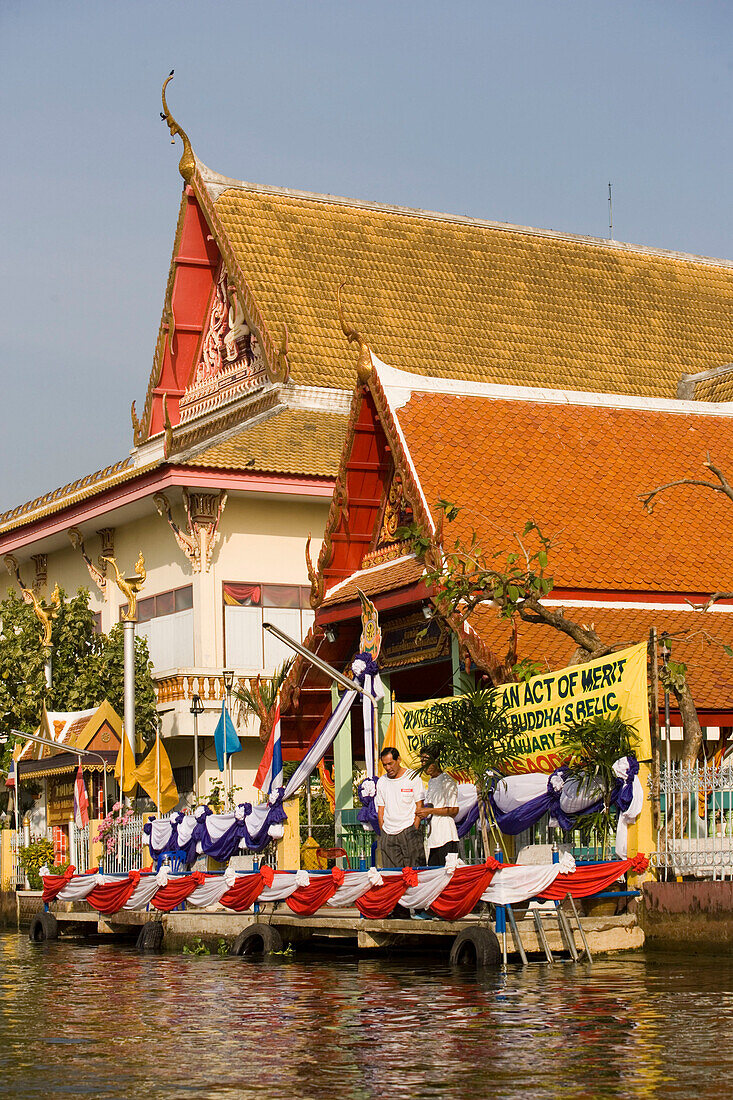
(230, 362)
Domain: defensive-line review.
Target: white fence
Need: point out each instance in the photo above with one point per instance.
(695, 836)
(130, 849)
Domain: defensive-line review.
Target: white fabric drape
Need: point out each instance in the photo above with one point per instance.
(351, 889)
(430, 884)
(283, 885)
(514, 884)
(212, 889)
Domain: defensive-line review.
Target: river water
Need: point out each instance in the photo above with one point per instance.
(102, 1021)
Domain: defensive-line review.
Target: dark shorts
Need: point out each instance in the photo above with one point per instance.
(437, 855)
(405, 849)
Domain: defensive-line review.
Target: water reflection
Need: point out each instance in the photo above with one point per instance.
(102, 1021)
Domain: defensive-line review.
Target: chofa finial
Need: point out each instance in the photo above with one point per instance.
(187, 163)
(364, 362)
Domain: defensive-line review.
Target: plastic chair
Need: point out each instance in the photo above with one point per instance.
(334, 853)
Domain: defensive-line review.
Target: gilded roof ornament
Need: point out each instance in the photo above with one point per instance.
(130, 586)
(44, 612)
(187, 163)
(364, 362)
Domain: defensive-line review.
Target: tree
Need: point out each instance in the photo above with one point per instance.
(87, 666)
(472, 733)
(463, 576)
(674, 674)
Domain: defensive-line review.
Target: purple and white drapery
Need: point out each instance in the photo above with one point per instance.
(251, 827)
(519, 801)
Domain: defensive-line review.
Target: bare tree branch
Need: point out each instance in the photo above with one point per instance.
(723, 485)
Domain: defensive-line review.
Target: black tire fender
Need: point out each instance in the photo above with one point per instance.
(477, 947)
(257, 939)
(44, 926)
(150, 937)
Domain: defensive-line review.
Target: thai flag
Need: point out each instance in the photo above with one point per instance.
(270, 772)
(10, 779)
(81, 802)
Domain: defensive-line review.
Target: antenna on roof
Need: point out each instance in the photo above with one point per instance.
(610, 213)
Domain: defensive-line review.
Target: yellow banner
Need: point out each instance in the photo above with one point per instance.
(540, 709)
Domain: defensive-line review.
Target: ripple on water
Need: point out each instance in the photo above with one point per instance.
(106, 1022)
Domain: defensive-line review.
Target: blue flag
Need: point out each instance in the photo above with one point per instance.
(225, 737)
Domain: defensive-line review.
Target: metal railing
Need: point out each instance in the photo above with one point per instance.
(130, 851)
(79, 855)
(695, 836)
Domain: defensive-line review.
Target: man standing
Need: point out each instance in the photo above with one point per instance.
(400, 797)
(441, 807)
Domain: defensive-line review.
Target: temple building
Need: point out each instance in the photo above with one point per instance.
(579, 465)
(525, 367)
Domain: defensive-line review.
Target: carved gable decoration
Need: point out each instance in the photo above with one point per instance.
(396, 513)
(231, 363)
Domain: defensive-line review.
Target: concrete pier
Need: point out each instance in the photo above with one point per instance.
(341, 929)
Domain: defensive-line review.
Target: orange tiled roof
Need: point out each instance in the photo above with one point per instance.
(577, 470)
(699, 642)
(383, 578)
(293, 441)
(473, 300)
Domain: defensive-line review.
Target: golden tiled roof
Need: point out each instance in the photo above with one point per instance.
(719, 387)
(387, 578)
(577, 471)
(69, 494)
(292, 441)
(697, 639)
(471, 300)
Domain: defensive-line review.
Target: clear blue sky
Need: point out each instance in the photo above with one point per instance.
(516, 111)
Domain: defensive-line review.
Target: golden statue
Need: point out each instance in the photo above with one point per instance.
(131, 586)
(44, 612)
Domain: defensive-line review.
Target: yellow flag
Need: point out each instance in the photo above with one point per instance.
(147, 777)
(128, 772)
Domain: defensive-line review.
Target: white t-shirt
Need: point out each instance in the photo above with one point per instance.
(398, 796)
(442, 791)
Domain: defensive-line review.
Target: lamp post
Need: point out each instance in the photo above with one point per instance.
(228, 685)
(196, 708)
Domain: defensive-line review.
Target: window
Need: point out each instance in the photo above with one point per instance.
(247, 607)
(166, 621)
(183, 778)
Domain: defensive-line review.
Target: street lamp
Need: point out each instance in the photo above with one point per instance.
(196, 708)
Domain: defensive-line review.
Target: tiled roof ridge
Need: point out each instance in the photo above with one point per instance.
(58, 495)
(399, 385)
(217, 185)
(371, 569)
(401, 452)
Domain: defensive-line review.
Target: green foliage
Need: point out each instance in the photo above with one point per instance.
(466, 574)
(475, 736)
(222, 948)
(322, 819)
(36, 855)
(526, 668)
(595, 745)
(221, 798)
(253, 701)
(103, 678)
(87, 667)
(196, 947)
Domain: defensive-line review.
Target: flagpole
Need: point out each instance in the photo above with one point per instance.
(318, 662)
(157, 764)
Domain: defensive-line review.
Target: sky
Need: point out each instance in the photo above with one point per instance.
(520, 111)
